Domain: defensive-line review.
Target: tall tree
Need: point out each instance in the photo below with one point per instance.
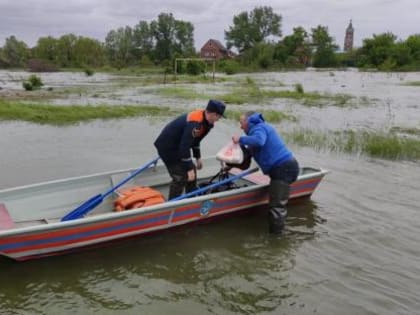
(375, 51)
(47, 49)
(324, 46)
(172, 37)
(252, 28)
(413, 42)
(15, 53)
(143, 40)
(184, 40)
(294, 49)
(88, 52)
(65, 50)
(119, 46)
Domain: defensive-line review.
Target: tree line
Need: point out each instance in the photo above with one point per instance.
(255, 35)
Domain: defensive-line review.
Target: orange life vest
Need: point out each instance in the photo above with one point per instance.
(137, 197)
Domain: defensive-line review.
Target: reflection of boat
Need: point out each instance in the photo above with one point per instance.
(30, 216)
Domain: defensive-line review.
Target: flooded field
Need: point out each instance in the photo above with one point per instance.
(351, 249)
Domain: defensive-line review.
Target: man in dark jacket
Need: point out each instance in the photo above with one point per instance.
(176, 140)
(275, 160)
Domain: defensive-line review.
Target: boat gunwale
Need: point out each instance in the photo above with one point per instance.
(109, 217)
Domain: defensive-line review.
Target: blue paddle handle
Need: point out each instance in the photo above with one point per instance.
(83, 208)
(111, 190)
(222, 182)
(96, 200)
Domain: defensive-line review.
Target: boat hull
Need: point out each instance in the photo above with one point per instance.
(56, 237)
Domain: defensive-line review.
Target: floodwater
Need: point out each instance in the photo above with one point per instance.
(353, 248)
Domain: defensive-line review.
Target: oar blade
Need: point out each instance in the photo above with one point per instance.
(84, 208)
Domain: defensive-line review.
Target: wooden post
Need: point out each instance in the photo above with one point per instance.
(214, 68)
(176, 62)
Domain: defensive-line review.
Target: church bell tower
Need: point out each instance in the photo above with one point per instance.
(348, 40)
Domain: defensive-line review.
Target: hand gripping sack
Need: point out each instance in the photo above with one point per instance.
(231, 153)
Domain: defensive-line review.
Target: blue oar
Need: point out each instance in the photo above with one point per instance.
(222, 182)
(96, 200)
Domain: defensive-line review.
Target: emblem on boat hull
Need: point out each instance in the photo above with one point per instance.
(206, 207)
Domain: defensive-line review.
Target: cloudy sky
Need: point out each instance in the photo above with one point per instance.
(30, 19)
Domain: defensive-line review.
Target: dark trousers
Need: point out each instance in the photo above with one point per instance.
(281, 177)
(179, 180)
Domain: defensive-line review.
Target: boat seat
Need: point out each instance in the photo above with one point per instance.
(6, 221)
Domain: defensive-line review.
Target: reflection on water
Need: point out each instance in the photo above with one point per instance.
(231, 264)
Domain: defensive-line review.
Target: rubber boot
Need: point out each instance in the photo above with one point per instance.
(177, 185)
(179, 180)
(279, 195)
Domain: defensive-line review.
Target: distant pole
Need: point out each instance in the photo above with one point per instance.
(214, 69)
(176, 62)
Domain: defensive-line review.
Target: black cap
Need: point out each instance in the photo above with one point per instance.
(217, 107)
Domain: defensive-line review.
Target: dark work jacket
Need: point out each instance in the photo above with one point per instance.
(184, 133)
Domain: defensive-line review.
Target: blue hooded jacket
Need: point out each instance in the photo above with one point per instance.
(264, 143)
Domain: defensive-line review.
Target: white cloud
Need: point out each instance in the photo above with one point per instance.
(29, 20)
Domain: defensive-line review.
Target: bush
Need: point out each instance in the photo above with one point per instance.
(27, 86)
(195, 67)
(88, 71)
(32, 83)
(230, 67)
(299, 88)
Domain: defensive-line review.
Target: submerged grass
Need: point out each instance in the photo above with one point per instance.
(181, 92)
(271, 116)
(249, 92)
(67, 115)
(158, 79)
(412, 83)
(374, 144)
(41, 94)
(407, 131)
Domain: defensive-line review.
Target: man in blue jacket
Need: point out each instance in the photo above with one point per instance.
(178, 138)
(275, 160)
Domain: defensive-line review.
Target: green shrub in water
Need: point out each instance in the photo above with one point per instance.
(230, 67)
(299, 88)
(88, 72)
(32, 83)
(195, 67)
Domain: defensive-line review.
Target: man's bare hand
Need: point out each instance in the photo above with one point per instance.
(235, 139)
(191, 175)
(199, 164)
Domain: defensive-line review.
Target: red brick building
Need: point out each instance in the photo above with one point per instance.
(214, 49)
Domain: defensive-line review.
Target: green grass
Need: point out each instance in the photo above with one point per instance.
(407, 131)
(412, 83)
(374, 144)
(42, 94)
(271, 116)
(181, 92)
(67, 115)
(249, 92)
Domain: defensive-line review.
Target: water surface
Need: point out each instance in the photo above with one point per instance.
(351, 249)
